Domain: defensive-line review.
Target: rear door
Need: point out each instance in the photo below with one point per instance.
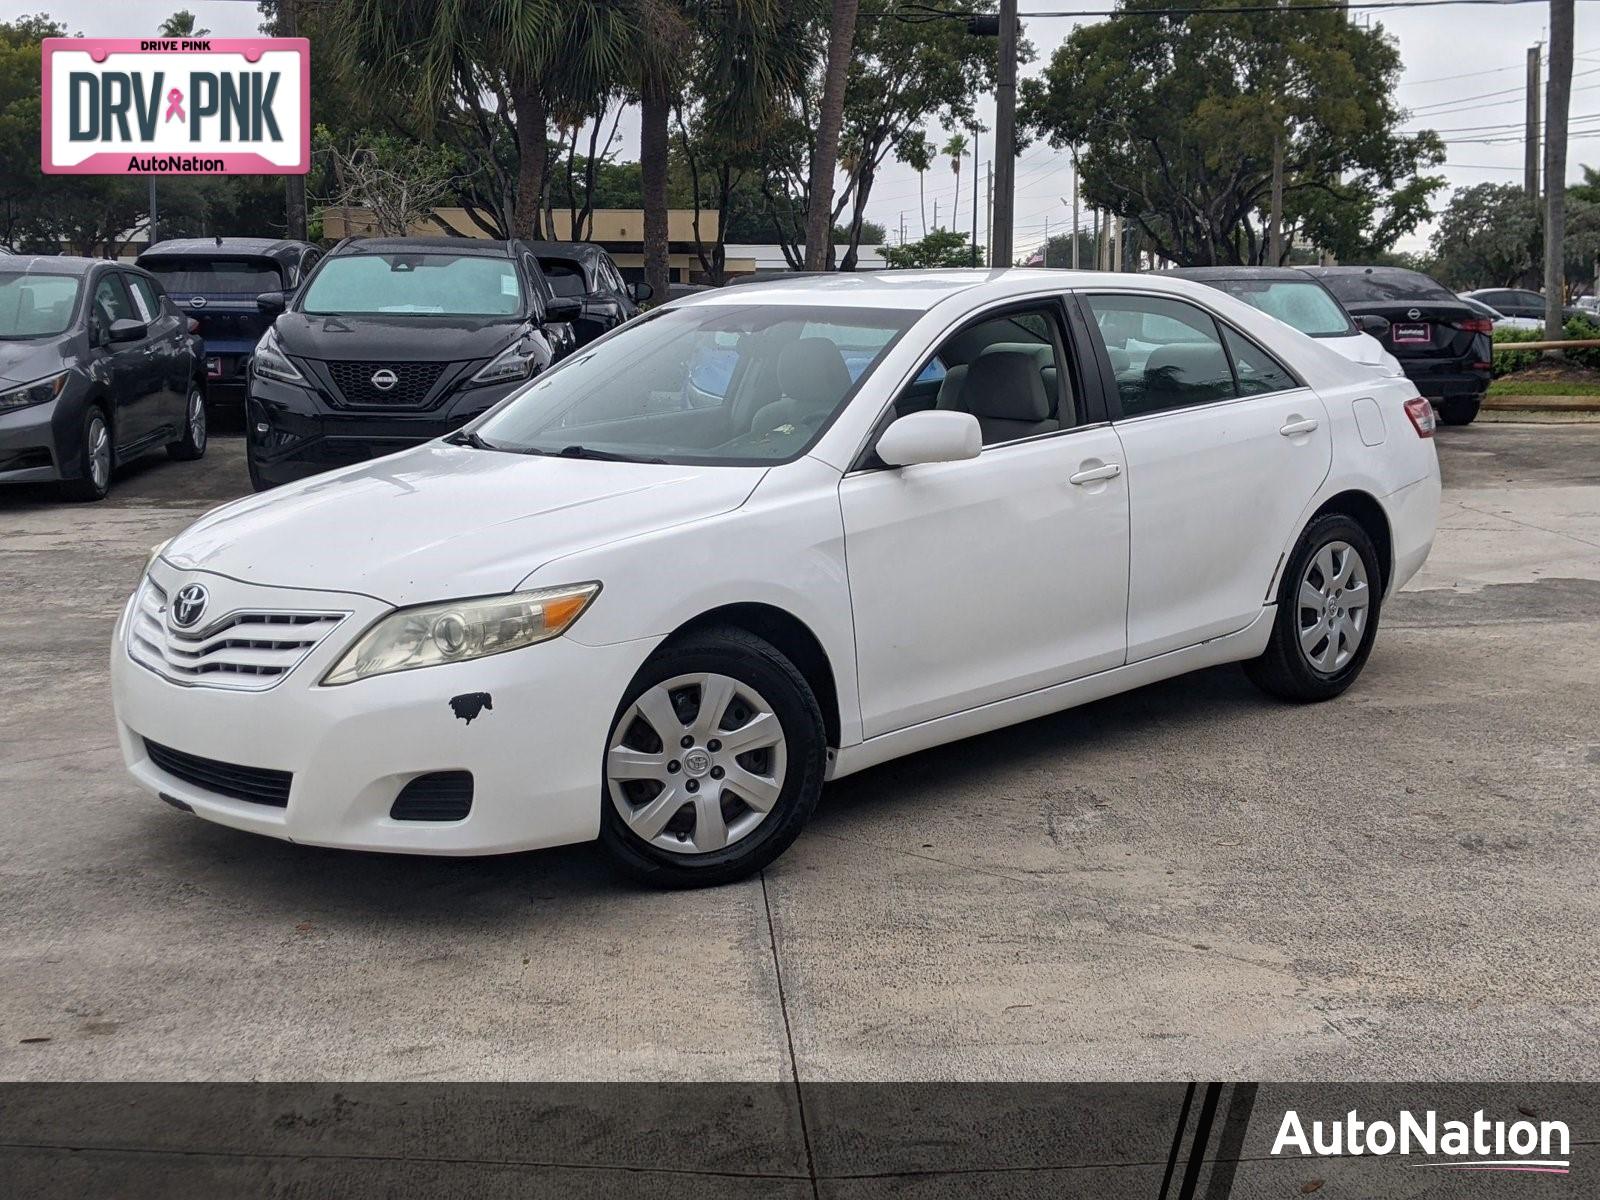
(1224, 448)
(169, 348)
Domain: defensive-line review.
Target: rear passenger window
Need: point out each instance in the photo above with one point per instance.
(1258, 372)
(1009, 371)
(1165, 353)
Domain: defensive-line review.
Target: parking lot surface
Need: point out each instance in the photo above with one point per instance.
(1189, 881)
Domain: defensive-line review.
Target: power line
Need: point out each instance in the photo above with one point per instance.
(924, 12)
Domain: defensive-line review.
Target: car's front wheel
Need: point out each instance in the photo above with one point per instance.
(1328, 601)
(96, 457)
(714, 761)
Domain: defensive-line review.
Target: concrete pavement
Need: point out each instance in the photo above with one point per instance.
(1190, 881)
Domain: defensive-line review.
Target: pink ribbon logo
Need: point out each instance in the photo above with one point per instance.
(175, 105)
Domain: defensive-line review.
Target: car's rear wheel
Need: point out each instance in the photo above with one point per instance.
(96, 458)
(714, 761)
(1459, 410)
(1328, 602)
(192, 444)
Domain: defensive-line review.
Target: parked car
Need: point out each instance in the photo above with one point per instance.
(1443, 345)
(96, 367)
(584, 272)
(391, 342)
(604, 611)
(1302, 303)
(1499, 319)
(1520, 302)
(216, 281)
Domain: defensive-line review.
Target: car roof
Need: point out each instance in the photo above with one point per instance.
(57, 264)
(211, 246)
(1204, 273)
(456, 245)
(586, 250)
(922, 290)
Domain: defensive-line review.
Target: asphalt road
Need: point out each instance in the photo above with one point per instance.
(1190, 881)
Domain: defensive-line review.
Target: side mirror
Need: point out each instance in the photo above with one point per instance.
(272, 302)
(640, 292)
(930, 437)
(563, 308)
(1373, 324)
(128, 330)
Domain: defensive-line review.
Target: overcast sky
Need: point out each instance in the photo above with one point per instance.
(1464, 73)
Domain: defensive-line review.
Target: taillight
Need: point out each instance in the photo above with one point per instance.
(1421, 414)
(1476, 325)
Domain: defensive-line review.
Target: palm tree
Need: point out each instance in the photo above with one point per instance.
(181, 25)
(917, 153)
(830, 120)
(956, 148)
(663, 40)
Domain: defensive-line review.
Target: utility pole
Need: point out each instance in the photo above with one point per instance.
(1005, 136)
(294, 186)
(902, 227)
(1557, 104)
(1074, 210)
(1530, 137)
(974, 198)
(988, 214)
(936, 214)
(151, 236)
(1275, 237)
(1094, 217)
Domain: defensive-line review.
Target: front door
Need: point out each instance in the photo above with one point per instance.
(1225, 449)
(975, 581)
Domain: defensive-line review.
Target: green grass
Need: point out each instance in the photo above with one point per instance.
(1512, 386)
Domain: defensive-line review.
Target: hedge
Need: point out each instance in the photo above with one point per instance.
(1508, 362)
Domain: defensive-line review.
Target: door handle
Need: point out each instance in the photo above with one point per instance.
(1096, 474)
(1307, 425)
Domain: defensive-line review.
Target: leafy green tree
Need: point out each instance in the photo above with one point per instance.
(181, 25)
(1489, 235)
(1175, 118)
(941, 248)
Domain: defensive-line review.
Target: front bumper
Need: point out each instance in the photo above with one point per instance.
(535, 756)
(42, 442)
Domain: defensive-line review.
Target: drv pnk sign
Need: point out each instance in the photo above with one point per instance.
(176, 106)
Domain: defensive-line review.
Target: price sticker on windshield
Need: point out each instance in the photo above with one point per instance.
(176, 106)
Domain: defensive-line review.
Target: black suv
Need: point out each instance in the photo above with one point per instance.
(584, 272)
(96, 366)
(1443, 345)
(216, 281)
(390, 342)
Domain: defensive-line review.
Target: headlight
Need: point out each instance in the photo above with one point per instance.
(270, 361)
(516, 361)
(431, 634)
(33, 393)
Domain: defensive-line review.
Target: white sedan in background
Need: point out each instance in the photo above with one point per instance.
(768, 536)
(1501, 321)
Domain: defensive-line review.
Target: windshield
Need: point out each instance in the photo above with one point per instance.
(1300, 304)
(433, 284)
(1384, 283)
(215, 276)
(708, 383)
(36, 306)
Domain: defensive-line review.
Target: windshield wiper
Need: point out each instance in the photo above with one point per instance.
(469, 437)
(605, 455)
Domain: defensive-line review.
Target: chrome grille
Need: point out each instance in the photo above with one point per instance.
(247, 649)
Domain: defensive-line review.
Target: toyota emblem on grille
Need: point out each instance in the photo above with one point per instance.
(197, 302)
(383, 379)
(1413, 313)
(188, 605)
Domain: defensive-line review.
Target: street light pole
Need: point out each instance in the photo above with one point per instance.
(294, 186)
(1005, 136)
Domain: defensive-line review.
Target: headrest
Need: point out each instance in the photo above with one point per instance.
(1005, 385)
(812, 371)
(1186, 364)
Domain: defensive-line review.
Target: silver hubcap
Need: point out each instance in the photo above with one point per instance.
(197, 420)
(1334, 603)
(99, 453)
(696, 763)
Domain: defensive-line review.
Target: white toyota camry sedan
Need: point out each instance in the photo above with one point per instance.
(765, 537)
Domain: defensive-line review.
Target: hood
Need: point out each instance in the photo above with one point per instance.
(35, 358)
(1365, 349)
(398, 339)
(443, 521)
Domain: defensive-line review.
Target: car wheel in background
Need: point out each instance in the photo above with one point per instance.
(192, 444)
(95, 459)
(714, 761)
(1459, 410)
(1328, 602)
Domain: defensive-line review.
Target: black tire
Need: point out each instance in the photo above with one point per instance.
(1285, 669)
(751, 661)
(192, 444)
(86, 487)
(1459, 410)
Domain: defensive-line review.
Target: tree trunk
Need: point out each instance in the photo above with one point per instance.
(653, 112)
(531, 150)
(830, 120)
(1557, 102)
(858, 215)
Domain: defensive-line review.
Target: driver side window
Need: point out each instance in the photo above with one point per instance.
(110, 304)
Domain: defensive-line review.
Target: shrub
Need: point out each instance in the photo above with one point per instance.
(1508, 361)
